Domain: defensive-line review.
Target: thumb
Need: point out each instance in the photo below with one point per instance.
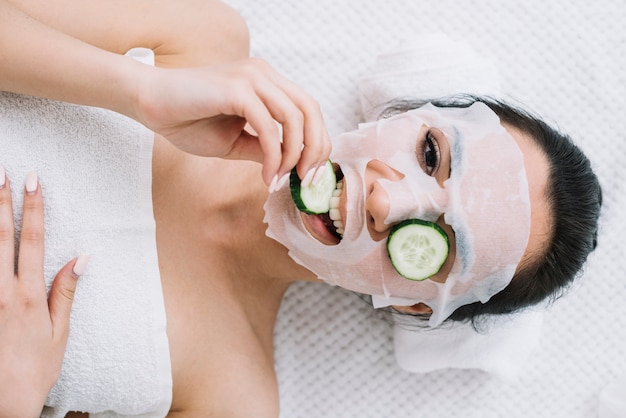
(246, 147)
(62, 295)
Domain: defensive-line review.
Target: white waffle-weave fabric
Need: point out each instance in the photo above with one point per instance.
(564, 59)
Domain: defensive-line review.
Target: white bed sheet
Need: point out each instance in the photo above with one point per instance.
(564, 59)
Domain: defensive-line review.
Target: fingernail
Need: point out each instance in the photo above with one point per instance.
(3, 177)
(282, 181)
(81, 264)
(308, 177)
(272, 187)
(31, 183)
(319, 174)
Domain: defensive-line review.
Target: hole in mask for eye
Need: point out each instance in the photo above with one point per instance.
(428, 154)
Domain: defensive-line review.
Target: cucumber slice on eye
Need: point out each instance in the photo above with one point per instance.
(314, 199)
(417, 248)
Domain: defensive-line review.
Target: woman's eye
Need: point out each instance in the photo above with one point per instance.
(428, 156)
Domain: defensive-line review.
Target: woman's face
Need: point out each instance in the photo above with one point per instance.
(457, 167)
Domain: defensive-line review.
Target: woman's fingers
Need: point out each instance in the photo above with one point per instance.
(7, 243)
(194, 109)
(264, 106)
(31, 247)
(311, 148)
(61, 296)
(265, 99)
(261, 120)
(33, 329)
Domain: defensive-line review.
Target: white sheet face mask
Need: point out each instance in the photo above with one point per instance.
(485, 200)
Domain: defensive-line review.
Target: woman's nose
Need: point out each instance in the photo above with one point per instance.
(377, 202)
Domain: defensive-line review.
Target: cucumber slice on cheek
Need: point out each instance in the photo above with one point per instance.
(417, 249)
(314, 200)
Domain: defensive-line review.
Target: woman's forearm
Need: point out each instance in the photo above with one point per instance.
(39, 60)
(182, 33)
(72, 51)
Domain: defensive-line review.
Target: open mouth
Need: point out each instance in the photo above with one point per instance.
(328, 227)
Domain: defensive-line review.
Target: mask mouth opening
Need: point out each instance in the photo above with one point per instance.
(330, 222)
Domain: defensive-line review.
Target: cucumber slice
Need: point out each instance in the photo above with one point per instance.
(314, 199)
(417, 248)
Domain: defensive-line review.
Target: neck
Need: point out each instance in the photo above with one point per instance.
(211, 236)
(256, 254)
(226, 210)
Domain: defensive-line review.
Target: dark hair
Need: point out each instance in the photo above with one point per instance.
(574, 199)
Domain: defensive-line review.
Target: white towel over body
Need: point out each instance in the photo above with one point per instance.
(95, 172)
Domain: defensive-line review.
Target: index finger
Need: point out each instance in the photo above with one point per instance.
(7, 230)
(317, 146)
(263, 123)
(31, 248)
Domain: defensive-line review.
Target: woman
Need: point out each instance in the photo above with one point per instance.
(220, 330)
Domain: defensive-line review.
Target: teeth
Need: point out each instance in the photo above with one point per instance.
(335, 214)
(336, 193)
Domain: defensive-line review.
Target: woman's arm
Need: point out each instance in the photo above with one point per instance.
(38, 60)
(70, 51)
(182, 33)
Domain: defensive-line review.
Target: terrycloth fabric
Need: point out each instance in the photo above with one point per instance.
(427, 67)
(432, 66)
(612, 400)
(95, 172)
(502, 351)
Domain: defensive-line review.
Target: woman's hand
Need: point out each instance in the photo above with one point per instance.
(203, 111)
(33, 329)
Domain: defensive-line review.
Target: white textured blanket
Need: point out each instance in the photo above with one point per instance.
(563, 59)
(95, 170)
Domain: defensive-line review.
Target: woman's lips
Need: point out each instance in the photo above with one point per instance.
(317, 227)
